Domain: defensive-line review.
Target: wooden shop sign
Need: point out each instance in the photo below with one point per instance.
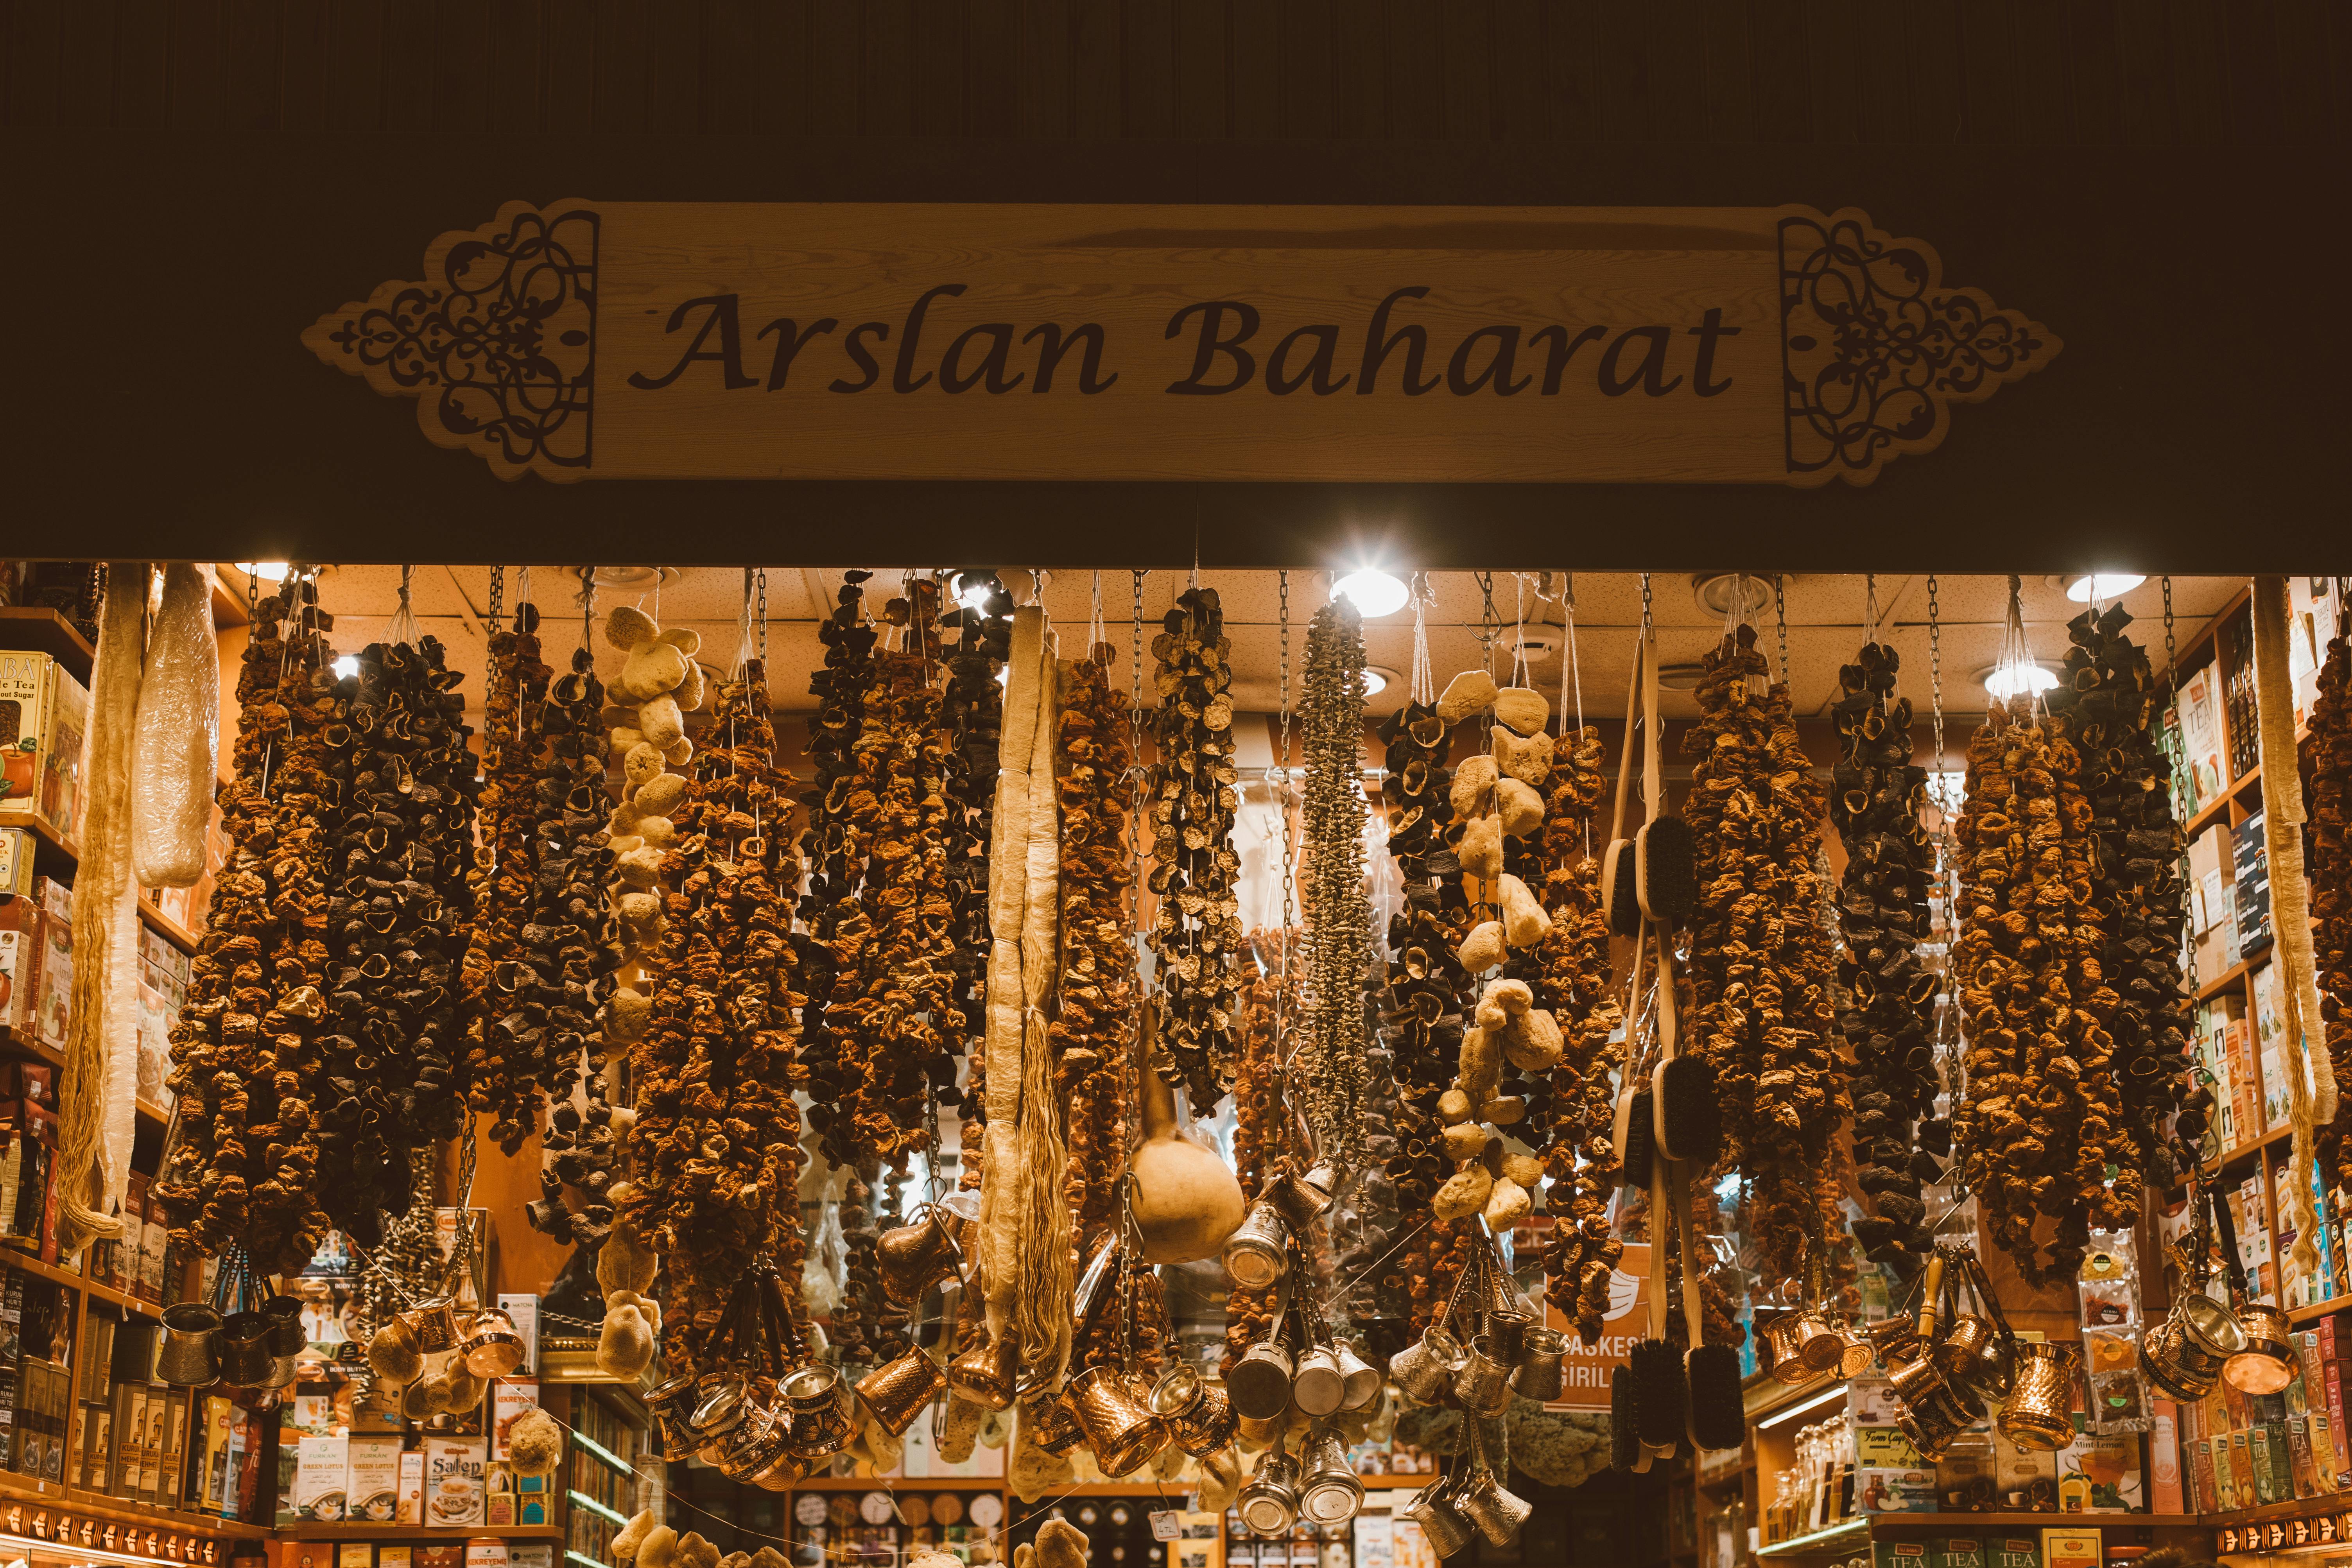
(664, 340)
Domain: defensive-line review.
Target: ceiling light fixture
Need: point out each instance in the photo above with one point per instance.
(1375, 594)
(1378, 680)
(972, 590)
(2086, 587)
(640, 578)
(268, 571)
(347, 667)
(2004, 681)
(1717, 592)
(1681, 676)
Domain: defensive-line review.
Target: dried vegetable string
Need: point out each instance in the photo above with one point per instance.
(1761, 965)
(245, 1064)
(2328, 748)
(1572, 978)
(1332, 1081)
(501, 1084)
(398, 925)
(1887, 995)
(718, 1132)
(831, 922)
(1193, 783)
(2032, 1135)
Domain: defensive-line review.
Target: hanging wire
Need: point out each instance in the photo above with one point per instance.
(1424, 685)
(1570, 669)
(1095, 618)
(402, 627)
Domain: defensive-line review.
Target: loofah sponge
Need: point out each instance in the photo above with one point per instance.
(1061, 1544)
(1465, 1192)
(1484, 948)
(1472, 780)
(1524, 709)
(1533, 1042)
(1528, 760)
(625, 1347)
(1463, 1140)
(1479, 1068)
(1524, 920)
(535, 1443)
(1472, 691)
(961, 1434)
(1519, 805)
(1481, 849)
(1034, 1473)
(660, 1548)
(1507, 1204)
(633, 1535)
(393, 1354)
(693, 1552)
(625, 626)
(1507, 1111)
(1524, 1169)
(1220, 1479)
(624, 1263)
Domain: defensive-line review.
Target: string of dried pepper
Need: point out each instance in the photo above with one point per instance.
(834, 860)
(500, 1082)
(2328, 747)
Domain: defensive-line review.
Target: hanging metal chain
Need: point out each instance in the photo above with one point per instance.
(1645, 605)
(2171, 662)
(498, 595)
(1780, 614)
(1281, 799)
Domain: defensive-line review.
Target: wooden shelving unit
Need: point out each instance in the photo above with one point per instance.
(36, 628)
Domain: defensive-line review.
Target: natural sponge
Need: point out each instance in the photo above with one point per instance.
(535, 1443)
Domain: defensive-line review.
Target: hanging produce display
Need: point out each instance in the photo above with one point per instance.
(1760, 962)
(2040, 1120)
(1887, 995)
(2328, 747)
(398, 926)
(1193, 787)
(835, 858)
(1094, 1027)
(244, 1169)
(1331, 1080)
(717, 1170)
(2112, 707)
(501, 1082)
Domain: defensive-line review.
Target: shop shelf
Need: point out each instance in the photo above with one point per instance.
(24, 1488)
(418, 1532)
(2231, 978)
(2317, 1309)
(2217, 809)
(921, 1484)
(167, 928)
(1845, 1532)
(36, 628)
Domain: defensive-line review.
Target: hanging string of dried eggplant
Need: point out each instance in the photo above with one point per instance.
(1261, 1131)
(896, 978)
(1887, 1004)
(1332, 1079)
(835, 858)
(1572, 978)
(1762, 965)
(1094, 1026)
(1196, 930)
(244, 1169)
(398, 927)
(2328, 745)
(718, 1133)
(2037, 1126)
(2110, 703)
(501, 1082)
(856, 1327)
(975, 719)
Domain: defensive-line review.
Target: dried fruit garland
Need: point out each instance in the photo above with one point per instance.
(2038, 1121)
(1888, 1007)
(501, 1083)
(244, 1058)
(1333, 1081)
(974, 716)
(1196, 930)
(2110, 703)
(834, 859)
(718, 1133)
(1761, 964)
(399, 924)
(895, 978)
(1093, 1026)
(1423, 1012)
(2330, 748)
(1260, 1133)
(1572, 979)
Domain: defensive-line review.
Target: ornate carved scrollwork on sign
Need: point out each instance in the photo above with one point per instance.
(1874, 346)
(497, 344)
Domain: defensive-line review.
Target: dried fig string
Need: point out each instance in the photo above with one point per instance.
(2329, 746)
(1332, 1078)
(501, 1083)
(836, 859)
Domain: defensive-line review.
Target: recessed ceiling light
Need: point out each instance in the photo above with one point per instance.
(1378, 680)
(2087, 586)
(347, 667)
(1718, 591)
(268, 571)
(1535, 647)
(1376, 594)
(1680, 676)
(634, 577)
(2004, 681)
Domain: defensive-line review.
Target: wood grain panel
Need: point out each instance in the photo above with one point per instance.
(1203, 71)
(35, 46)
(1572, 62)
(1146, 53)
(1416, 74)
(302, 91)
(1257, 72)
(1671, 71)
(1834, 67)
(2253, 63)
(408, 67)
(195, 65)
(143, 77)
(2309, 87)
(1309, 109)
(1780, 70)
(1931, 35)
(993, 53)
(1469, 69)
(570, 70)
(2095, 70)
(519, 66)
(2200, 69)
(461, 66)
(1989, 42)
(833, 72)
(1096, 62)
(1622, 36)
(674, 74)
(1360, 77)
(1048, 93)
(250, 64)
(1728, 88)
(86, 65)
(2045, 109)
(939, 67)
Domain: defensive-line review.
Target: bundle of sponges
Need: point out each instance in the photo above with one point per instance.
(1508, 1027)
(657, 687)
(648, 1543)
(1497, 797)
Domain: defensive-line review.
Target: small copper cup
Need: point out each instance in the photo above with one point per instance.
(1483, 1382)
(896, 1392)
(1258, 1254)
(1259, 1383)
(1492, 1510)
(2040, 1410)
(434, 1323)
(758, 1439)
(1199, 1413)
(989, 1373)
(1425, 1368)
(819, 1426)
(492, 1347)
(1118, 1424)
(1540, 1375)
(912, 1259)
(671, 1403)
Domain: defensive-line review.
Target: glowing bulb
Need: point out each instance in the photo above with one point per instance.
(2101, 585)
(268, 571)
(2006, 680)
(972, 589)
(1376, 594)
(1004, 676)
(1376, 679)
(347, 667)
